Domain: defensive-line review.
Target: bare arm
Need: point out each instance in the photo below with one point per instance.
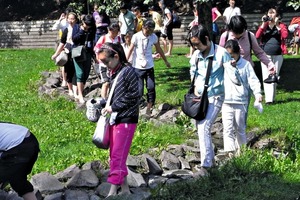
(130, 51)
(161, 53)
(218, 15)
(58, 50)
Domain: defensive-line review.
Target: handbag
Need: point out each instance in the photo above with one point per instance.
(79, 53)
(101, 134)
(196, 106)
(61, 59)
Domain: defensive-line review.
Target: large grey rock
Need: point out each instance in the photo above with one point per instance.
(52, 82)
(76, 195)
(96, 166)
(13, 196)
(184, 163)
(169, 116)
(84, 178)
(56, 196)
(46, 183)
(135, 179)
(67, 173)
(178, 173)
(176, 150)
(133, 161)
(152, 166)
(103, 189)
(169, 161)
(155, 181)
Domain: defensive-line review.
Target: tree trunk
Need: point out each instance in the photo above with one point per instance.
(204, 16)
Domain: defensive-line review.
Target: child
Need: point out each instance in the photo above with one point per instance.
(124, 102)
(235, 106)
(191, 24)
(127, 43)
(142, 61)
(111, 36)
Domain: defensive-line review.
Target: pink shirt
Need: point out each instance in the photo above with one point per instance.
(245, 48)
(213, 13)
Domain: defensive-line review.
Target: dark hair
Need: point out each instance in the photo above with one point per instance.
(136, 8)
(88, 20)
(232, 44)
(277, 9)
(114, 26)
(200, 32)
(149, 23)
(237, 24)
(73, 13)
(152, 8)
(130, 32)
(112, 49)
(68, 10)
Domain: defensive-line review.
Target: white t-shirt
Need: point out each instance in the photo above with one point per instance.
(143, 50)
(128, 24)
(126, 49)
(230, 12)
(166, 19)
(11, 135)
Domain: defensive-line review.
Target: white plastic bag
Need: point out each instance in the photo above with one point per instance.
(101, 134)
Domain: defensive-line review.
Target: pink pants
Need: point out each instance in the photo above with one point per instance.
(121, 136)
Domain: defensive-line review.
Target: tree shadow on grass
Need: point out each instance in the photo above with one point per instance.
(289, 77)
(175, 78)
(289, 74)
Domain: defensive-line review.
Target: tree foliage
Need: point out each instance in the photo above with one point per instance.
(294, 3)
(16, 10)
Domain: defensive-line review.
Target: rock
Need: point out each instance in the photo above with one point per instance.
(83, 178)
(46, 183)
(169, 161)
(67, 173)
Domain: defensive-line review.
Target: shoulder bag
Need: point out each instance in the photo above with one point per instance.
(101, 134)
(196, 106)
(79, 52)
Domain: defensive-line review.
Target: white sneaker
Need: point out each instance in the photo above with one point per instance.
(93, 109)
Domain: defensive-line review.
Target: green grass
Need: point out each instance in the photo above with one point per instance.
(65, 134)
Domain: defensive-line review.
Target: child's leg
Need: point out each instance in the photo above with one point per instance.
(228, 127)
(240, 118)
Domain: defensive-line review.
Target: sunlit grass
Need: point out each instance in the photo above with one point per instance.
(65, 134)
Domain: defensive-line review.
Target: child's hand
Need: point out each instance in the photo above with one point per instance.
(258, 98)
(233, 63)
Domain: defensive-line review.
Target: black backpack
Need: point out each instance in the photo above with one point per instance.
(176, 20)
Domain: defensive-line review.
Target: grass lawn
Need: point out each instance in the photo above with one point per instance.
(65, 134)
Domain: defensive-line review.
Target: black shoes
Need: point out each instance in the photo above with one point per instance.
(272, 78)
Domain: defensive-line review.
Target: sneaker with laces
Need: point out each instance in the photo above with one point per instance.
(93, 109)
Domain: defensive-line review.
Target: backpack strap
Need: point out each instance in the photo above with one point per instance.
(250, 41)
(227, 34)
(249, 38)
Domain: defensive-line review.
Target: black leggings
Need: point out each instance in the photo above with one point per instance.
(17, 163)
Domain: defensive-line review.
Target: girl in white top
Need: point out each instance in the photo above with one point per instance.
(230, 11)
(167, 30)
(237, 93)
(127, 44)
(113, 37)
(142, 61)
